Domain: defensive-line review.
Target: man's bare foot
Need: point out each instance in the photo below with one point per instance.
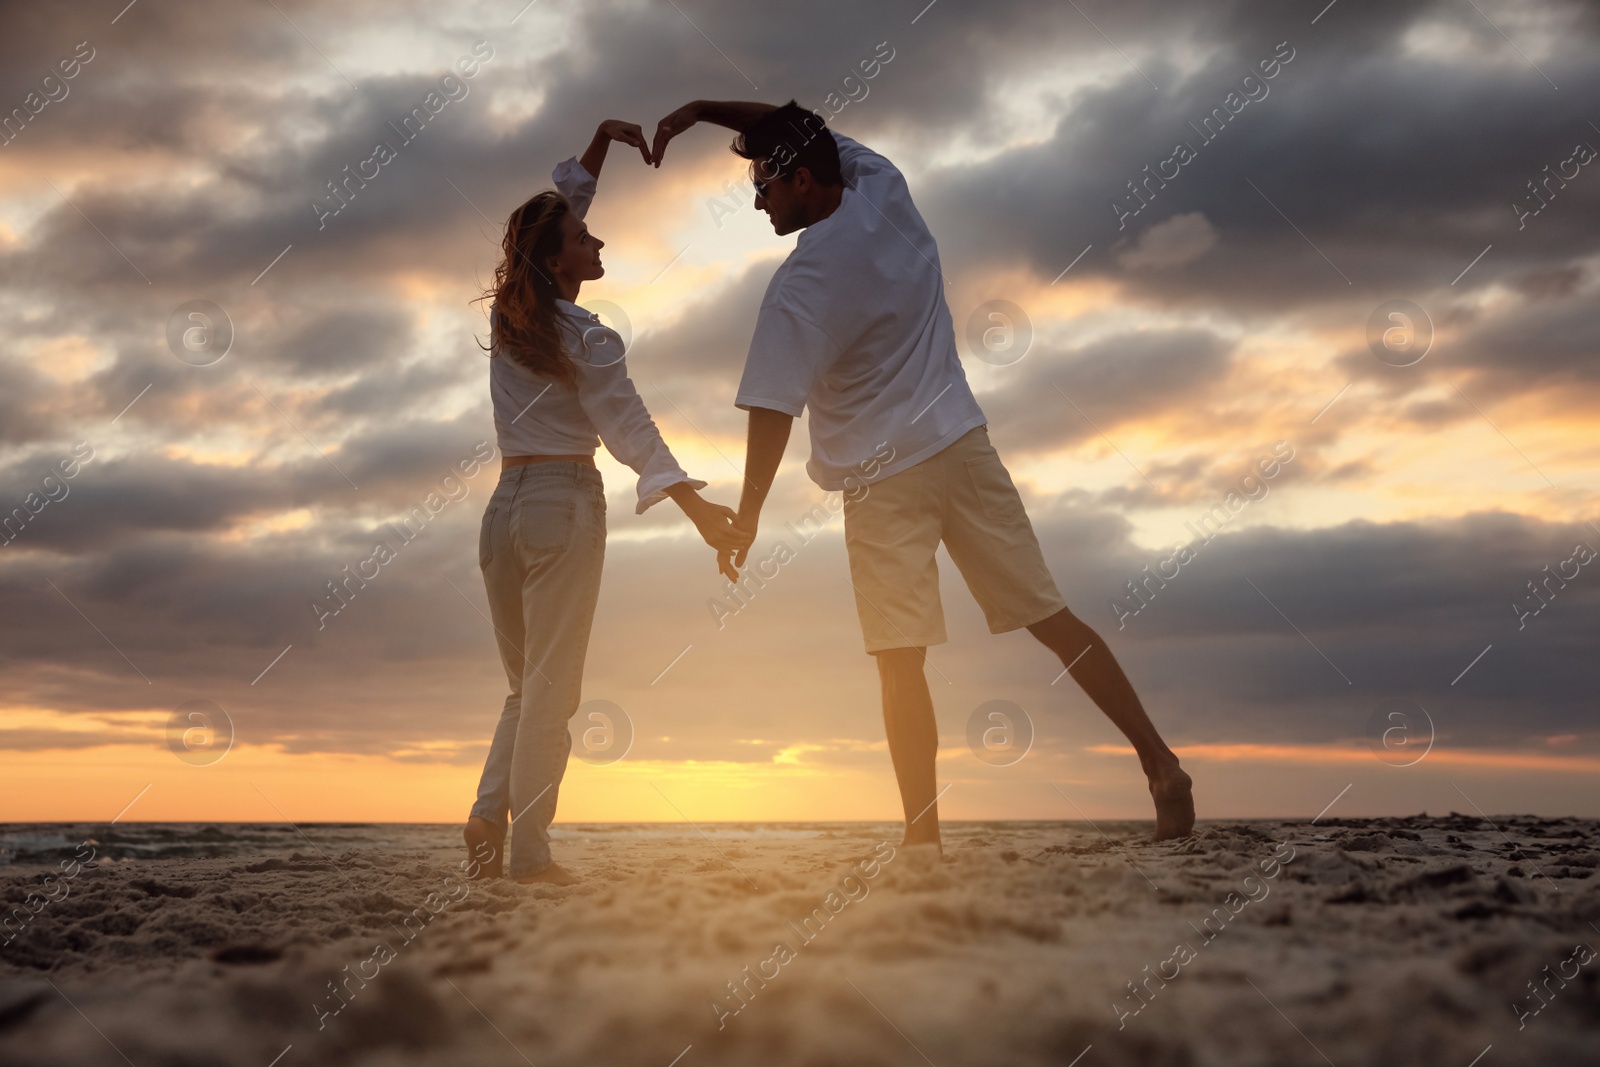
(485, 847)
(922, 833)
(1173, 792)
(555, 874)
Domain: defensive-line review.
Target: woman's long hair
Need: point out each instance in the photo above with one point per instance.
(526, 325)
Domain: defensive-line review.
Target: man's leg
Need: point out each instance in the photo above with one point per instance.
(991, 540)
(913, 740)
(1090, 662)
(891, 535)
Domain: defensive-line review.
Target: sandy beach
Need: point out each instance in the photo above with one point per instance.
(1420, 940)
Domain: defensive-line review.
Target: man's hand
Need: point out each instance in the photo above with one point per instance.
(671, 126)
(730, 560)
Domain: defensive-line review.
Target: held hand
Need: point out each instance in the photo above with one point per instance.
(627, 133)
(671, 126)
(715, 523)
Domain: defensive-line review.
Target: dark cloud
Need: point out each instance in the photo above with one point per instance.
(1373, 153)
(23, 405)
(19, 740)
(1549, 342)
(115, 501)
(1398, 609)
(340, 341)
(1057, 398)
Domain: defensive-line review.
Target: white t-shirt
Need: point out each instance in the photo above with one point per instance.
(854, 327)
(536, 415)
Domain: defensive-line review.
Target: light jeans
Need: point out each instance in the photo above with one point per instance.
(542, 547)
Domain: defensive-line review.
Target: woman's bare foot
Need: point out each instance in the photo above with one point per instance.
(485, 846)
(1173, 792)
(555, 874)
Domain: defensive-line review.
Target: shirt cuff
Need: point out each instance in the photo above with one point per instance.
(653, 490)
(574, 182)
(570, 171)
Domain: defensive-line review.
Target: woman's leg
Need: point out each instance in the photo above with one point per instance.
(558, 531)
(502, 578)
(494, 785)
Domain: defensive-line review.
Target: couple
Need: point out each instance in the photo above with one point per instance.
(854, 326)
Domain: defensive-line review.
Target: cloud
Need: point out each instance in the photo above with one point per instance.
(1057, 398)
(41, 740)
(1178, 241)
(1548, 342)
(1398, 609)
(711, 336)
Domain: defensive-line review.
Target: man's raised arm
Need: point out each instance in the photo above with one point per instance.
(734, 114)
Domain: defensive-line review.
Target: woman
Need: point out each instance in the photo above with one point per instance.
(559, 387)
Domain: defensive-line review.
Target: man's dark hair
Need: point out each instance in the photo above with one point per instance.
(790, 137)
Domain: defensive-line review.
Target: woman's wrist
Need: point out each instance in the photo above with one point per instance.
(685, 496)
(594, 157)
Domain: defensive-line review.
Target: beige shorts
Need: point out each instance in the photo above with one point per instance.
(964, 497)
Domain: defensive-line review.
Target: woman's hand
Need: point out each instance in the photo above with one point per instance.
(627, 133)
(594, 157)
(715, 522)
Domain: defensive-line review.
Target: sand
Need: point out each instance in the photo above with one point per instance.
(1417, 940)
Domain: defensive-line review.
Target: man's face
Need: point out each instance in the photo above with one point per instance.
(777, 197)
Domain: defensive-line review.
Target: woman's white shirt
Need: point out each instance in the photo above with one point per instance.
(535, 414)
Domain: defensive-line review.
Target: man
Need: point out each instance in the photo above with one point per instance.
(854, 326)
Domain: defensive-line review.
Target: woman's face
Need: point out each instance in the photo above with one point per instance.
(579, 258)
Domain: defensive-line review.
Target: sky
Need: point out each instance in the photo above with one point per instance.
(1351, 245)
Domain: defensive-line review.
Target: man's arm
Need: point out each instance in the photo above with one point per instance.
(736, 115)
(769, 434)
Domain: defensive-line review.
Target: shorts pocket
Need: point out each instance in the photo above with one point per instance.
(486, 537)
(543, 525)
(873, 519)
(997, 495)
